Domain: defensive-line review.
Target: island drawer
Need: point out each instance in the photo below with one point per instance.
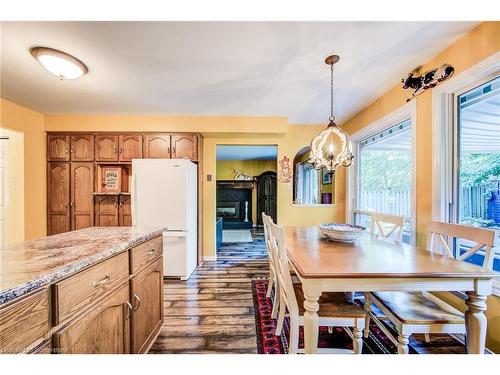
(145, 253)
(24, 322)
(79, 291)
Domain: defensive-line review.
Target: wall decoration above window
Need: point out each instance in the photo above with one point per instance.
(284, 170)
(427, 80)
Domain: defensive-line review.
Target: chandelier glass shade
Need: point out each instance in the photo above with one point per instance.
(331, 148)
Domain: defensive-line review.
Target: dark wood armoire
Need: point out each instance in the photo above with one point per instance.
(266, 195)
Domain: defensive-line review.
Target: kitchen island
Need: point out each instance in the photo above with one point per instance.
(94, 290)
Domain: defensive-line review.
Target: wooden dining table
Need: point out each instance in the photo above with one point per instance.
(370, 265)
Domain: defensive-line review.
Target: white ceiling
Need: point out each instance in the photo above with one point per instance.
(218, 68)
(247, 152)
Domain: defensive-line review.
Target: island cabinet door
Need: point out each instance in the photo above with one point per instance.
(147, 305)
(58, 194)
(157, 146)
(125, 212)
(106, 148)
(82, 147)
(82, 205)
(106, 211)
(58, 147)
(185, 146)
(130, 147)
(104, 329)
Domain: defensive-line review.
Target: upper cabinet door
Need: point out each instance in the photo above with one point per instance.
(82, 147)
(106, 148)
(82, 187)
(157, 146)
(130, 147)
(185, 146)
(57, 147)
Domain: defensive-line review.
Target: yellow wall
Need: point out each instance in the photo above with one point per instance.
(31, 125)
(225, 171)
(474, 47)
(225, 168)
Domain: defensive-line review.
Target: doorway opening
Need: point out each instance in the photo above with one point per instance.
(246, 186)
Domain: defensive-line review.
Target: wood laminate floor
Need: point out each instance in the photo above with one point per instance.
(213, 311)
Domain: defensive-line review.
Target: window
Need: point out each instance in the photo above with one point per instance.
(384, 175)
(476, 172)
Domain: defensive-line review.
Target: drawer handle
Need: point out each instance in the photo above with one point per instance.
(130, 310)
(151, 253)
(96, 284)
(136, 307)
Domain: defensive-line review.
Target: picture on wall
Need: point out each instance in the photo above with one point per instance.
(326, 177)
(111, 179)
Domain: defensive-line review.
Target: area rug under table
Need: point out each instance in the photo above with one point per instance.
(236, 236)
(376, 343)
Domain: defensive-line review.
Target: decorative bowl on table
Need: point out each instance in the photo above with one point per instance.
(341, 232)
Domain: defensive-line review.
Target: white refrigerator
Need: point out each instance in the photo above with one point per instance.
(164, 193)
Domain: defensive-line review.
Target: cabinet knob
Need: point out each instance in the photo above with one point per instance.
(130, 310)
(136, 307)
(98, 283)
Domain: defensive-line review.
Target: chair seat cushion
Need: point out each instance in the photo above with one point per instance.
(331, 304)
(419, 308)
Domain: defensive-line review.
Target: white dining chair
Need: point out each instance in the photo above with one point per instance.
(385, 226)
(423, 312)
(335, 309)
(273, 279)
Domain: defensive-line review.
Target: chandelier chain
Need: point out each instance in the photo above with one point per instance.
(332, 117)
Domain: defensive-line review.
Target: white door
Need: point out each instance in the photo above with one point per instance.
(4, 189)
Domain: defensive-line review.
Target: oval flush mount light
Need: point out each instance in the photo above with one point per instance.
(58, 63)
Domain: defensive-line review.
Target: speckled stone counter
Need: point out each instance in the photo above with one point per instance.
(29, 265)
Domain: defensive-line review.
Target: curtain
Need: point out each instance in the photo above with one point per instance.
(299, 183)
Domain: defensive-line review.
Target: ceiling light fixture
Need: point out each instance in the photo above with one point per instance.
(58, 63)
(331, 148)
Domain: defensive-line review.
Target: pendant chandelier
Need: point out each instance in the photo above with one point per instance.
(331, 148)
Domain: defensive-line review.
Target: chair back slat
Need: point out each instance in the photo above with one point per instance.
(278, 243)
(445, 232)
(266, 220)
(395, 222)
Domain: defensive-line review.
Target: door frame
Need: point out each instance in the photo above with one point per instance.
(443, 125)
(405, 112)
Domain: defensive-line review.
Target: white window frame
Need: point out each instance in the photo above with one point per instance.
(444, 117)
(405, 112)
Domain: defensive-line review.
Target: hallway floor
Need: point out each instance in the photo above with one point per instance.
(213, 311)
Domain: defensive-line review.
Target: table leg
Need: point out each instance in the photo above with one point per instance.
(312, 292)
(475, 323)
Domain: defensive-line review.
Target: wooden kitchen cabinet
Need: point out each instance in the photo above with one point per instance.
(157, 146)
(58, 147)
(58, 197)
(185, 146)
(82, 187)
(82, 147)
(146, 297)
(106, 210)
(130, 147)
(18, 335)
(104, 329)
(124, 211)
(106, 147)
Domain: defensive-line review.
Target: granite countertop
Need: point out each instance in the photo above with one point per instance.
(29, 265)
